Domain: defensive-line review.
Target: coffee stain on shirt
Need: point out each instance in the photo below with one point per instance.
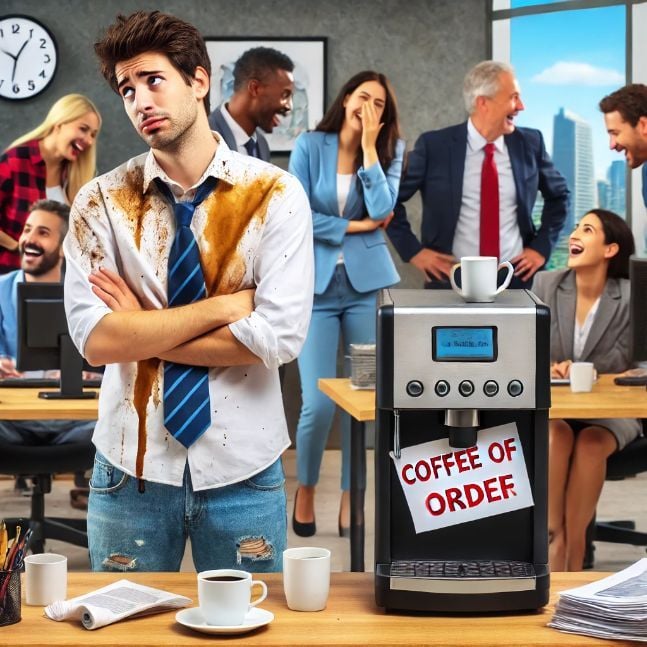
(133, 202)
(146, 385)
(89, 243)
(231, 211)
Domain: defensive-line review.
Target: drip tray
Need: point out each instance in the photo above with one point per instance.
(460, 576)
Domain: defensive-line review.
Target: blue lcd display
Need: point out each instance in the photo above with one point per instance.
(464, 344)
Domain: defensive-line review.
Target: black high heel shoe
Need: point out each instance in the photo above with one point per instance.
(344, 531)
(302, 529)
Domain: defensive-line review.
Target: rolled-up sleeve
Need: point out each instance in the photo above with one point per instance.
(85, 245)
(284, 278)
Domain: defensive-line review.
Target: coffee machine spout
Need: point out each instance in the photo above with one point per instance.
(462, 425)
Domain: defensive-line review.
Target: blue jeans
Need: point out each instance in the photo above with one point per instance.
(242, 526)
(46, 432)
(339, 309)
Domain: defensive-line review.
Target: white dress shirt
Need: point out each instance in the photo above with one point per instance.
(466, 236)
(254, 230)
(240, 136)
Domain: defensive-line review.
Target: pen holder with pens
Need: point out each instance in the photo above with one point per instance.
(10, 596)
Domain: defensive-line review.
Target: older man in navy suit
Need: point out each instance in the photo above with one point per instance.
(263, 87)
(479, 182)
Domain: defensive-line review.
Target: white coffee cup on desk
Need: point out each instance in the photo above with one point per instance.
(581, 376)
(45, 578)
(225, 596)
(479, 278)
(306, 578)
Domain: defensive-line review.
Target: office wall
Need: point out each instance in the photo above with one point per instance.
(423, 46)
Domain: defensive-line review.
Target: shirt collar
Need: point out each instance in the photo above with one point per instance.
(237, 131)
(477, 142)
(222, 167)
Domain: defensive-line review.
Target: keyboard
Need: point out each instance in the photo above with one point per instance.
(461, 569)
(41, 383)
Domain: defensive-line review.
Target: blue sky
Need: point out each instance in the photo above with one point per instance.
(569, 59)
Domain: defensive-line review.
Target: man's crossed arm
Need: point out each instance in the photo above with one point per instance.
(196, 334)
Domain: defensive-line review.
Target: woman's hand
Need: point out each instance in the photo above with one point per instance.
(560, 369)
(113, 291)
(363, 225)
(371, 127)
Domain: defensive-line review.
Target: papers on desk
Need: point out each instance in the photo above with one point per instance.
(122, 599)
(614, 607)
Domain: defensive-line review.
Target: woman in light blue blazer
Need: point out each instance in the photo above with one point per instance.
(350, 167)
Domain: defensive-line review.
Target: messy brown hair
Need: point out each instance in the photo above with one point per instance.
(630, 101)
(153, 31)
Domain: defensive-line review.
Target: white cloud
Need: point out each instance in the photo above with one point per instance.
(571, 73)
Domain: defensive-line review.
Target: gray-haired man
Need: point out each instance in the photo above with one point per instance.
(479, 181)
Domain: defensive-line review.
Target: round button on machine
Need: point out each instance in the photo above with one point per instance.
(490, 388)
(515, 388)
(415, 388)
(466, 388)
(441, 388)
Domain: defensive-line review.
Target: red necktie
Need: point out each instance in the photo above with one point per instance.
(489, 226)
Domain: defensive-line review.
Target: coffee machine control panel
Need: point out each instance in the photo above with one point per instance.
(449, 354)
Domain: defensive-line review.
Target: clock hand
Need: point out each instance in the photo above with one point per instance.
(15, 64)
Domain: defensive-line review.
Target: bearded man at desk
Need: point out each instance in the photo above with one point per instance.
(41, 259)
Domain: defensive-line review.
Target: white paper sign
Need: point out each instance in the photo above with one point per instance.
(445, 486)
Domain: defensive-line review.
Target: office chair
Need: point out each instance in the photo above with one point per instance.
(41, 462)
(630, 461)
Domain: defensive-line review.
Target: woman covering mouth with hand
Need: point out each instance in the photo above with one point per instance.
(589, 305)
(53, 161)
(350, 167)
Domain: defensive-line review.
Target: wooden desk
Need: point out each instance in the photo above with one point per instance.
(24, 404)
(607, 400)
(351, 618)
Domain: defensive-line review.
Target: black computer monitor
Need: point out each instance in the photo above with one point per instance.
(44, 341)
(638, 308)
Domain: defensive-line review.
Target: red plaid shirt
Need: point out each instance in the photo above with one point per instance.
(22, 182)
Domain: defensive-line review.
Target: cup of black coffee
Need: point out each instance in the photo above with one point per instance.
(225, 596)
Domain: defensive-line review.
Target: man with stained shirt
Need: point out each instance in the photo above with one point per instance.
(153, 485)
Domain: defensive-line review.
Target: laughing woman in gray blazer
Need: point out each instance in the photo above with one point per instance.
(589, 305)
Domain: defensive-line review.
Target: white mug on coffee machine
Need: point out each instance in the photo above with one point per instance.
(479, 278)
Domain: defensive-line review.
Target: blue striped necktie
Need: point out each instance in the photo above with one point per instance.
(187, 414)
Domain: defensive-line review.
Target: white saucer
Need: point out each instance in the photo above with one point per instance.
(254, 619)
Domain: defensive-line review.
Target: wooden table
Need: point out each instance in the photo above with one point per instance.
(351, 618)
(24, 404)
(607, 400)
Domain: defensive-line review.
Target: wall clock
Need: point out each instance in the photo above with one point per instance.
(28, 57)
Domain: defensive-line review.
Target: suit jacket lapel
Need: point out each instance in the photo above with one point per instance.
(329, 171)
(263, 147)
(224, 130)
(515, 152)
(609, 304)
(565, 302)
(457, 152)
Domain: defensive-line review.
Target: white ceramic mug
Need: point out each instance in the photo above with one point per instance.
(45, 578)
(306, 578)
(479, 278)
(581, 375)
(225, 596)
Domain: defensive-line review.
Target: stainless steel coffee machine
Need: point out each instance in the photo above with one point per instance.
(462, 396)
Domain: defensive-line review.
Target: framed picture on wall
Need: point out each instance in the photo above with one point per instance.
(308, 100)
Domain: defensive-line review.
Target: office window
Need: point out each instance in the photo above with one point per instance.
(566, 60)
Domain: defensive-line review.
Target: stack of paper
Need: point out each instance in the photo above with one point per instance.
(615, 607)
